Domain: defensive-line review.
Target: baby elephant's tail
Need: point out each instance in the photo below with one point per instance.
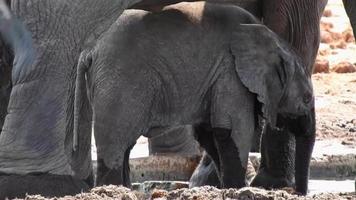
(80, 94)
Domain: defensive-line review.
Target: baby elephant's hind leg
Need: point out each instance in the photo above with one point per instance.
(117, 176)
(121, 115)
(231, 170)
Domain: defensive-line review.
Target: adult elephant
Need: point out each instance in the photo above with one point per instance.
(298, 23)
(36, 154)
(350, 7)
(5, 79)
(6, 59)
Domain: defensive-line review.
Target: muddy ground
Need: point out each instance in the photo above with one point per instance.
(335, 92)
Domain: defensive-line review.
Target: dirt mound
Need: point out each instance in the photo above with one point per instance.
(105, 192)
(198, 193)
(247, 193)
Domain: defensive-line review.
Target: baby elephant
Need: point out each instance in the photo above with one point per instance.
(191, 63)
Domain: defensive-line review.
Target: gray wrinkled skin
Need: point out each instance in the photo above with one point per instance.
(6, 59)
(36, 137)
(176, 140)
(297, 21)
(14, 38)
(41, 135)
(192, 63)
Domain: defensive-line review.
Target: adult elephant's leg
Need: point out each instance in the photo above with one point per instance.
(298, 23)
(39, 124)
(6, 59)
(178, 140)
(19, 40)
(350, 7)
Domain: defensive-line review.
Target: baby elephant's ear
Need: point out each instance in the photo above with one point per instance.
(262, 63)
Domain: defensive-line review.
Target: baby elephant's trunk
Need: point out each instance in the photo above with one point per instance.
(304, 130)
(305, 140)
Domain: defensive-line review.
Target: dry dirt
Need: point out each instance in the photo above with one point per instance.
(335, 86)
(336, 107)
(202, 193)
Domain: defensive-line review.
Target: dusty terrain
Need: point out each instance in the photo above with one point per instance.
(335, 78)
(202, 193)
(336, 107)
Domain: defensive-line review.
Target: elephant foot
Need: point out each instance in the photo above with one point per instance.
(265, 180)
(47, 185)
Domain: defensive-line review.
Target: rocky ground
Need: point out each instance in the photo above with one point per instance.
(335, 78)
(202, 193)
(336, 107)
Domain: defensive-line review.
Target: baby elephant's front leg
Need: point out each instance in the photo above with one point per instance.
(232, 171)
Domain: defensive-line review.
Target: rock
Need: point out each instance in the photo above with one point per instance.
(324, 52)
(196, 193)
(341, 45)
(321, 66)
(344, 67)
(336, 36)
(326, 26)
(159, 194)
(327, 13)
(325, 37)
(112, 191)
(348, 36)
(148, 186)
